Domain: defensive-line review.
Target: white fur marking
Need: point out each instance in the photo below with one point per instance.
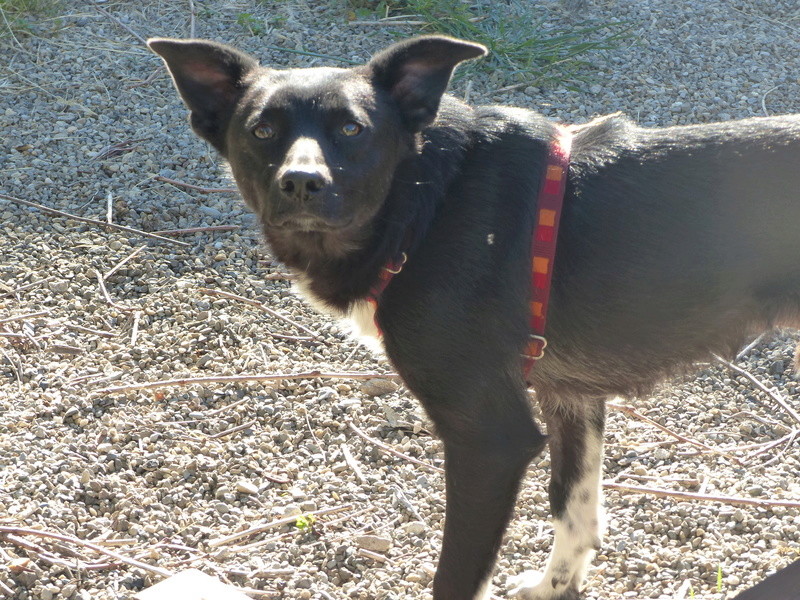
(573, 546)
(359, 322)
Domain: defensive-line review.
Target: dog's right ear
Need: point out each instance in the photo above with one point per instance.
(416, 73)
(210, 78)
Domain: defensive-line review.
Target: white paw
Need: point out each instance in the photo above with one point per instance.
(531, 585)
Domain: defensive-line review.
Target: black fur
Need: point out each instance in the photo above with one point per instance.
(674, 242)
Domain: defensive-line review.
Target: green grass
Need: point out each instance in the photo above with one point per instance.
(19, 17)
(518, 39)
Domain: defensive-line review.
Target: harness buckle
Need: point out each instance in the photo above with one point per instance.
(395, 268)
(536, 339)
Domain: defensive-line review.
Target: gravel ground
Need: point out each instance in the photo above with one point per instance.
(89, 120)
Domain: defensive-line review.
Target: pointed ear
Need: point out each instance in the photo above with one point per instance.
(416, 73)
(210, 79)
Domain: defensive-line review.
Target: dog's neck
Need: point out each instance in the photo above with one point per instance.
(340, 268)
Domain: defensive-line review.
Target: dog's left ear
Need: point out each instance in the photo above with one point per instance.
(416, 73)
(210, 79)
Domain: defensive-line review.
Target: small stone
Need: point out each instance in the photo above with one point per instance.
(777, 367)
(59, 286)
(755, 490)
(210, 211)
(304, 583)
(374, 543)
(415, 527)
(244, 486)
(661, 454)
(291, 511)
(378, 387)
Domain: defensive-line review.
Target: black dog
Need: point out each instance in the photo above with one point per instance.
(673, 243)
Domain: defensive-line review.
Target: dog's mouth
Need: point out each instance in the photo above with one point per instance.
(307, 223)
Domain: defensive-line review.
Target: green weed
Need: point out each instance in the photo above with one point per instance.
(519, 41)
(305, 522)
(253, 24)
(19, 17)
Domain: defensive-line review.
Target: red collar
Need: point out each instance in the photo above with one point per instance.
(543, 248)
(543, 242)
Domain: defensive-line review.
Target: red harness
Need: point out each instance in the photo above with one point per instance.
(543, 243)
(543, 248)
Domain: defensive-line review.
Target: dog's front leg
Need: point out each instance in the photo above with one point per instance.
(575, 437)
(488, 442)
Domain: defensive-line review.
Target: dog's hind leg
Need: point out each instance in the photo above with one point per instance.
(575, 436)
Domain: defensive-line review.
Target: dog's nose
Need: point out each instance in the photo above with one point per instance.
(301, 184)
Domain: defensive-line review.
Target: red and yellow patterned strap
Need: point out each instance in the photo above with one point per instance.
(543, 244)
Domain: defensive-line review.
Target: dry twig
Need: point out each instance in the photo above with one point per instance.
(61, 213)
(262, 527)
(260, 306)
(610, 485)
(232, 430)
(5, 531)
(104, 291)
(352, 463)
(770, 392)
(242, 379)
(628, 410)
(189, 230)
(197, 188)
(22, 288)
(192, 13)
(390, 450)
(121, 24)
(33, 315)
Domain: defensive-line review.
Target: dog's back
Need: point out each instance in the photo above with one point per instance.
(674, 242)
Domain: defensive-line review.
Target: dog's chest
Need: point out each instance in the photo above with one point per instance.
(359, 320)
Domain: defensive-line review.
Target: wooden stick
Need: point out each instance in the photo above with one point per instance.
(22, 288)
(770, 392)
(351, 462)
(243, 379)
(628, 410)
(119, 265)
(198, 229)
(609, 485)
(25, 316)
(121, 24)
(260, 306)
(4, 531)
(103, 289)
(137, 316)
(60, 213)
(262, 527)
(107, 334)
(391, 23)
(191, 19)
(750, 346)
(197, 188)
(5, 590)
(390, 450)
(232, 430)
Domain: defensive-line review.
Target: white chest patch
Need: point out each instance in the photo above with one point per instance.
(359, 321)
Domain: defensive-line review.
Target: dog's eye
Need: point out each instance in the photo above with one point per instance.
(263, 131)
(351, 128)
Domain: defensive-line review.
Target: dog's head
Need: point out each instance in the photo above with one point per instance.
(314, 151)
